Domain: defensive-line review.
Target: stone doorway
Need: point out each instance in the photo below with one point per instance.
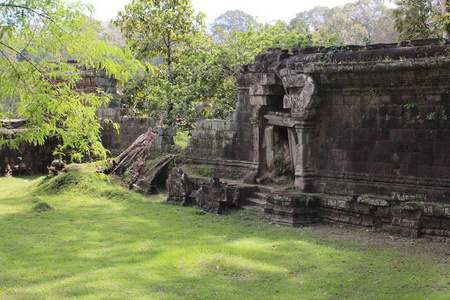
(277, 155)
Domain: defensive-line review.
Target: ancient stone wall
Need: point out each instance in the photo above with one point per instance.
(93, 80)
(130, 128)
(36, 159)
(228, 144)
(27, 159)
(354, 120)
(385, 128)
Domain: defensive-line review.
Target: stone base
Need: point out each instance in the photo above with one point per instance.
(292, 209)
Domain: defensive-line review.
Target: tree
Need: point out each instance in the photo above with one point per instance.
(157, 27)
(446, 17)
(313, 18)
(229, 21)
(421, 19)
(361, 22)
(111, 33)
(37, 81)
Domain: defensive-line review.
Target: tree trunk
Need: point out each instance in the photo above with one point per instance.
(444, 10)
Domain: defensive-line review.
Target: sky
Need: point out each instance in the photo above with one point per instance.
(263, 11)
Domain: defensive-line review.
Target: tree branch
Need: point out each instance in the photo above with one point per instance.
(26, 8)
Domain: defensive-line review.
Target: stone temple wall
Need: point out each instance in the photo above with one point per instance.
(36, 159)
(130, 128)
(228, 144)
(354, 120)
(93, 80)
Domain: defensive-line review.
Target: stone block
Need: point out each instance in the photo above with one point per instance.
(265, 90)
(267, 79)
(329, 214)
(342, 204)
(375, 201)
(408, 223)
(362, 208)
(367, 221)
(447, 211)
(431, 223)
(294, 80)
(329, 202)
(263, 100)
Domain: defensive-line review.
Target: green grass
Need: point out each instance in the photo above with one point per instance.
(102, 241)
(181, 139)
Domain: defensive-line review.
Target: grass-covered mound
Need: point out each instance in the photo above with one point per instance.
(101, 241)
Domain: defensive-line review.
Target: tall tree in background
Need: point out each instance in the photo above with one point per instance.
(36, 81)
(314, 18)
(361, 22)
(157, 27)
(232, 20)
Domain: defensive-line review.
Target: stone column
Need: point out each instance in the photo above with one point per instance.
(305, 170)
(268, 143)
(257, 122)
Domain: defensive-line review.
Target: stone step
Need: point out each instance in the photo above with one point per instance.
(254, 202)
(259, 195)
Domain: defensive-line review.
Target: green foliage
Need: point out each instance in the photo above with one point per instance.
(154, 27)
(205, 170)
(36, 83)
(231, 20)
(418, 19)
(42, 207)
(360, 22)
(201, 81)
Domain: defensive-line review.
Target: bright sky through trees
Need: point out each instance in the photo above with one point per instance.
(263, 11)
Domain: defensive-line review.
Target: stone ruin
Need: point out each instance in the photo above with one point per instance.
(29, 159)
(361, 133)
(367, 124)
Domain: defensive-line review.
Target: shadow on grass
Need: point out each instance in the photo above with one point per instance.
(112, 248)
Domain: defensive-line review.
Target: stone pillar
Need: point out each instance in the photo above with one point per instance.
(268, 148)
(305, 170)
(292, 135)
(256, 120)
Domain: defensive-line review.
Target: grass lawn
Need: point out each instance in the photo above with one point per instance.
(102, 241)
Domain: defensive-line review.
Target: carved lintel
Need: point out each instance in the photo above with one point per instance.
(280, 120)
(264, 90)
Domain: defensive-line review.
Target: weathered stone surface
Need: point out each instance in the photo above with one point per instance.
(179, 188)
(375, 201)
(216, 197)
(292, 209)
(27, 159)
